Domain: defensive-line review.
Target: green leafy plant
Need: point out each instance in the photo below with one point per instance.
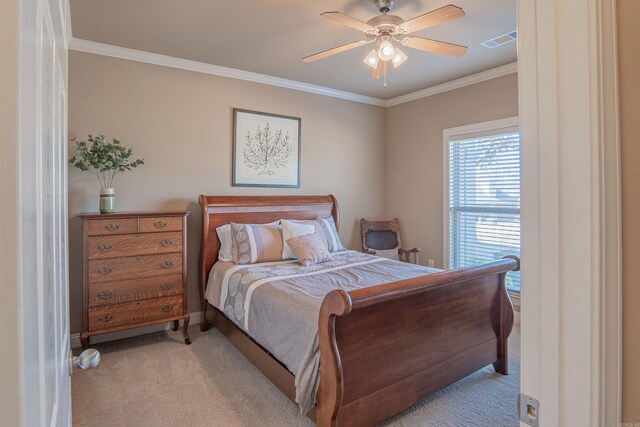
(104, 159)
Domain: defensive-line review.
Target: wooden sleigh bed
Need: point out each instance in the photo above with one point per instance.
(382, 348)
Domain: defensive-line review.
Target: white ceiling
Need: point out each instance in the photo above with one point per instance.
(272, 36)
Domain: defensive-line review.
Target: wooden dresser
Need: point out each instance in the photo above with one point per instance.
(134, 271)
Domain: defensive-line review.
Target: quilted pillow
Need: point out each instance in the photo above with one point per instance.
(309, 249)
(254, 243)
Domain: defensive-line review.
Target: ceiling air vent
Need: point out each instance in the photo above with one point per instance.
(500, 40)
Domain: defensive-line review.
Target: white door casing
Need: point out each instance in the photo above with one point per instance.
(570, 210)
(42, 182)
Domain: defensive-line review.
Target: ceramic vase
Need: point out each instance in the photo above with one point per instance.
(107, 200)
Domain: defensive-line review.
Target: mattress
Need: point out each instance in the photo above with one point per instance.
(278, 304)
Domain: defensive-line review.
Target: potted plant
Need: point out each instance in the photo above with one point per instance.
(106, 160)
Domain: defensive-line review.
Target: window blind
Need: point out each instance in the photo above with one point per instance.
(484, 200)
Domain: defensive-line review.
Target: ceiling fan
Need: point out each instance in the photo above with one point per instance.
(388, 31)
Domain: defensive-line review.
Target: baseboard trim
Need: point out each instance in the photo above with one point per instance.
(515, 298)
(196, 319)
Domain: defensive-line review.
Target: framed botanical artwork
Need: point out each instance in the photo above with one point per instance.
(266, 150)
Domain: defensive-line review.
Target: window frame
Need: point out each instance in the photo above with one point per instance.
(510, 124)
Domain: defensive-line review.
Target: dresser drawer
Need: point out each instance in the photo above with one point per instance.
(134, 290)
(155, 224)
(106, 227)
(135, 267)
(133, 244)
(131, 313)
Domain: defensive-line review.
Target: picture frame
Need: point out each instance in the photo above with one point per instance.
(266, 150)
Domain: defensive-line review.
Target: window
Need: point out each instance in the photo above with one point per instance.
(483, 198)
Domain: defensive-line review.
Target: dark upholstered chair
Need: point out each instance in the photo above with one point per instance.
(382, 238)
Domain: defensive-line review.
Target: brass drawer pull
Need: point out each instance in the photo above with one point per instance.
(105, 247)
(167, 308)
(112, 226)
(105, 270)
(166, 286)
(160, 224)
(105, 294)
(106, 318)
(167, 242)
(166, 264)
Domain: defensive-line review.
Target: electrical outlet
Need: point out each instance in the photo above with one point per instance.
(430, 262)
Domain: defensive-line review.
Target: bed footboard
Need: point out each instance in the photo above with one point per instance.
(384, 348)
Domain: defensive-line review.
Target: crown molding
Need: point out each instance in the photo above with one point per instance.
(232, 73)
(482, 76)
(215, 70)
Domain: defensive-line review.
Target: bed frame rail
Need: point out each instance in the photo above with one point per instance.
(386, 347)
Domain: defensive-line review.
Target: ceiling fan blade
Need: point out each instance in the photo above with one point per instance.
(435, 17)
(333, 51)
(434, 46)
(348, 21)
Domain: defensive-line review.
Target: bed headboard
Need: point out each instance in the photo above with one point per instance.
(220, 210)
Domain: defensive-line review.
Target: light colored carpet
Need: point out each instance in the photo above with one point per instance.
(156, 380)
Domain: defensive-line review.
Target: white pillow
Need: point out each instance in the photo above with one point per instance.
(225, 253)
(290, 230)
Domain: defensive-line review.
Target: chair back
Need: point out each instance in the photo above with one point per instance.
(380, 235)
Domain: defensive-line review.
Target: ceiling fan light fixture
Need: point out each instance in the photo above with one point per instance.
(389, 32)
(372, 59)
(398, 58)
(386, 49)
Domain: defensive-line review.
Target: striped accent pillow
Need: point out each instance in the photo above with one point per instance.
(254, 243)
(225, 253)
(328, 227)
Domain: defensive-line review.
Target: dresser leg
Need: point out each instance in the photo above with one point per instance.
(84, 340)
(185, 329)
(176, 325)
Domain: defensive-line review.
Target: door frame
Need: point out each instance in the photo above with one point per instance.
(571, 315)
(43, 366)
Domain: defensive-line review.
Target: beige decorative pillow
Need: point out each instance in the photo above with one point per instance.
(309, 249)
(254, 243)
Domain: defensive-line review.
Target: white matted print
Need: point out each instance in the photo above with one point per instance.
(266, 150)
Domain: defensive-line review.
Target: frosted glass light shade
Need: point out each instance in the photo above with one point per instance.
(386, 50)
(398, 58)
(372, 59)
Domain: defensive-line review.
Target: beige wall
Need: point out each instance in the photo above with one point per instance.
(180, 122)
(629, 66)
(10, 357)
(414, 154)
